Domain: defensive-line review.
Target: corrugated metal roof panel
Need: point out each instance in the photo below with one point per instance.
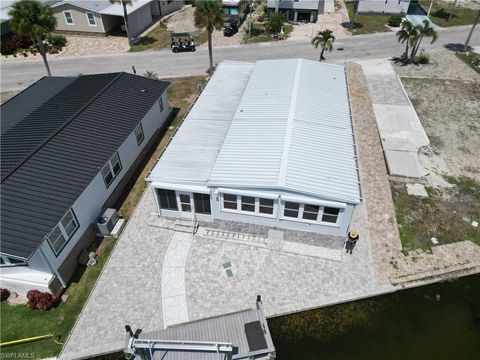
(292, 130)
(194, 149)
(65, 160)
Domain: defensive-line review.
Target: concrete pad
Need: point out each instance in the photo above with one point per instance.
(400, 122)
(417, 190)
(404, 164)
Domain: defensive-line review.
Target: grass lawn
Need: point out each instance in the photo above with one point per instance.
(469, 58)
(159, 38)
(260, 33)
(441, 215)
(441, 12)
(368, 24)
(20, 322)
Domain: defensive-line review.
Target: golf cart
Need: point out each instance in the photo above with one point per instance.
(230, 26)
(182, 42)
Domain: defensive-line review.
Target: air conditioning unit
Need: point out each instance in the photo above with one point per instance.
(106, 221)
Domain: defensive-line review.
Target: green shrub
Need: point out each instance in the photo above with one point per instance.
(275, 22)
(423, 58)
(394, 21)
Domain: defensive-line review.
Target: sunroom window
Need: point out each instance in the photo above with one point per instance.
(291, 209)
(230, 201)
(330, 215)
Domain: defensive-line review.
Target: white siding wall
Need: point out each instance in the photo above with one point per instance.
(88, 205)
(167, 8)
(382, 6)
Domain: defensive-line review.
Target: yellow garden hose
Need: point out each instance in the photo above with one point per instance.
(30, 339)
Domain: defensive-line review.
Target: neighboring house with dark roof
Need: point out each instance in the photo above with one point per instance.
(68, 147)
(101, 17)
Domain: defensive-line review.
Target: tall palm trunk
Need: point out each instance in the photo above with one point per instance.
(465, 47)
(321, 54)
(43, 53)
(210, 54)
(416, 47)
(125, 18)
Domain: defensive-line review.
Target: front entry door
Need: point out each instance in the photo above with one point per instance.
(185, 204)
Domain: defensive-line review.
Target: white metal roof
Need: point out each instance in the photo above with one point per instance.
(104, 6)
(190, 156)
(291, 130)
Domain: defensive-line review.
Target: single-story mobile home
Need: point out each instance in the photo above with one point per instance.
(394, 7)
(101, 17)
(267, 143)
(68, 147)
(297, 10)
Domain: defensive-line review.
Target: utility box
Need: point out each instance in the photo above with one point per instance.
(106, 221)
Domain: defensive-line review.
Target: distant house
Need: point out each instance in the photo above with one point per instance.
(101, 17)
(394, 7)
(276, 150)
(297, 10)
(68, 147)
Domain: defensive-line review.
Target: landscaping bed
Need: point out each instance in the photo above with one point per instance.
(469, 59)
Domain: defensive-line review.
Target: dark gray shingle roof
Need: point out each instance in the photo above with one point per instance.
(61, 147)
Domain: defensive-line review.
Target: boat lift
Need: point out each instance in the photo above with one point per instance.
(138, 347)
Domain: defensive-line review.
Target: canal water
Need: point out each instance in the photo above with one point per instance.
(440, 321)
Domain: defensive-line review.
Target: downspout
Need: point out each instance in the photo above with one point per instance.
(52, 268)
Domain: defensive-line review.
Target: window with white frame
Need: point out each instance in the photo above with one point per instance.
(63, 232)
(291, 209)
(248, 203)
(68, 18)
(139, 134)
(185, 202)
(167, 199)
(230, 202)
(310, 212)
(266, 206)
(9, 261)
(111, 169)
(91, 19)
(330, 215)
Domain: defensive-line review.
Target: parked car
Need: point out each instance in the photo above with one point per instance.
(182, 42)
(230, 27)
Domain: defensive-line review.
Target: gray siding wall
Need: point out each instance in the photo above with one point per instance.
(79, 19)
(139, 20)
(167, 8)
(381, 6)
(296, 5)
(88, 205)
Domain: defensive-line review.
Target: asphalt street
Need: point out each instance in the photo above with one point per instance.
(17, 75)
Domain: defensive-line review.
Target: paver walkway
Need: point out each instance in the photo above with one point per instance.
(174, 303)
(401, 131)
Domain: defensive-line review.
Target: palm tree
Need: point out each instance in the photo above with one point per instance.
(424, 30)
(30, 18)
(325, 39)
(125, 15)
(208, 15)
(408, 34)
(466, 46)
